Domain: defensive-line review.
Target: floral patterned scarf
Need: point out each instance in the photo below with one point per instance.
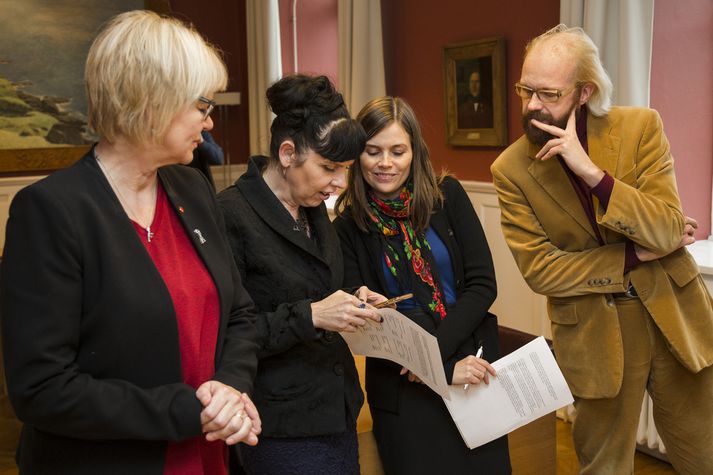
(407, 254)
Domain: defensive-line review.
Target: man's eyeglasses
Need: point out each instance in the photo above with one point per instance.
(210, 106)
(548, 96)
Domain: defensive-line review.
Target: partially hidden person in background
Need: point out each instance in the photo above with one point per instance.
(307, 388)
(129, 341)
(404, 229)
(207, 154)
(591, 213)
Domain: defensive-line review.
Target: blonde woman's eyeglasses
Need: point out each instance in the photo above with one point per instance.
(210, 106)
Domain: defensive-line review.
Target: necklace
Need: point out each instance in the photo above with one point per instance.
(302, 223)
(125, 202)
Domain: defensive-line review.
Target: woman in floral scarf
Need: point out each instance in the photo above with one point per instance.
(403, 229)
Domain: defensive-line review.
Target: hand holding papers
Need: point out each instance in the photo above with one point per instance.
(529, 385)
(401, 340)
(478, 354)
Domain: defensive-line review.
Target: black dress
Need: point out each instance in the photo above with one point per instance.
(307, 388)
(415, 433)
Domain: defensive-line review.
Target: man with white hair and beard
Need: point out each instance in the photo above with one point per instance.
(592, 216)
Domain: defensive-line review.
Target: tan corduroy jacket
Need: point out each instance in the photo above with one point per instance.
(558, 254)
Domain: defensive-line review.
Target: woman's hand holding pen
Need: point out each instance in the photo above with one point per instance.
(364, 294)
(472, 370)
(343, 312)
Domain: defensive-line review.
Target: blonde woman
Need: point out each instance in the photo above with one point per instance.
(128, 337)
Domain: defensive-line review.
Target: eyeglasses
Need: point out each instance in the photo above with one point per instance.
(211, 105)
(548, 96)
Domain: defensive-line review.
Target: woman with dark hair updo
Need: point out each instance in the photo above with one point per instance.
(404, 229)
(307, 389)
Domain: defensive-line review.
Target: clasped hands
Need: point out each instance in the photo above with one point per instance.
(228, 414)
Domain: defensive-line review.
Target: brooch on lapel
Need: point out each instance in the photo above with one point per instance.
(200, 236)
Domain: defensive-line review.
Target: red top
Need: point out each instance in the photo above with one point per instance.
(195, 301)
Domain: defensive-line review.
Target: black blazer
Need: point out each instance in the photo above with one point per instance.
(458, 226)
(306, 377)
(89, 331)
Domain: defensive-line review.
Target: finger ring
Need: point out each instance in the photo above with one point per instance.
(362, 305)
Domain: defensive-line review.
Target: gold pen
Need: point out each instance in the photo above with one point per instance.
(387, 303)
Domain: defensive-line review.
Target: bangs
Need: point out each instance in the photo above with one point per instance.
(143, 69)
(345, 141)
(203, 69)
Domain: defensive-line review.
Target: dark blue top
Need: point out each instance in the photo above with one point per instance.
(445, 273)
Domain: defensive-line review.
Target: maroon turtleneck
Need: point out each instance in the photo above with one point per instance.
(601, 190)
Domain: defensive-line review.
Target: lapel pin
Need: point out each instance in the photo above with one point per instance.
(200, 236)
(181, 210)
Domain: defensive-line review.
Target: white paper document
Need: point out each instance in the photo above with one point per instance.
(529, 385)
(402, 341)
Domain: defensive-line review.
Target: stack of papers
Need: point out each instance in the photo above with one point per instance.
(529, 383)
(400, 340)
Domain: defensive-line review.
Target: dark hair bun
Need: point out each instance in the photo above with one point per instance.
(302, 96)
(305, 107)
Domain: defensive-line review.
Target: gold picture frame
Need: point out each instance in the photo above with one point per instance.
(474, 93)
(42, 160)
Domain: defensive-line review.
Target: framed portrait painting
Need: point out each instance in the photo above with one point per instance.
(474, 93)
(43, 47)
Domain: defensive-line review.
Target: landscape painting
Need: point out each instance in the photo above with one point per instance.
(43, 47)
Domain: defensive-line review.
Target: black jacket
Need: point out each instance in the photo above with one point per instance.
(306, 377)
(458, 226)
(89, 331)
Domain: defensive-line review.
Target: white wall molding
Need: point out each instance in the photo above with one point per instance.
(702, 252)
(485, 187)
(517, 306)
(225, 175)
(9, 187)
(20, 181)
(513, 292)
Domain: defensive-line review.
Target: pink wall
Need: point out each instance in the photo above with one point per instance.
(682, 91)
(317, 37)
(415, 32)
